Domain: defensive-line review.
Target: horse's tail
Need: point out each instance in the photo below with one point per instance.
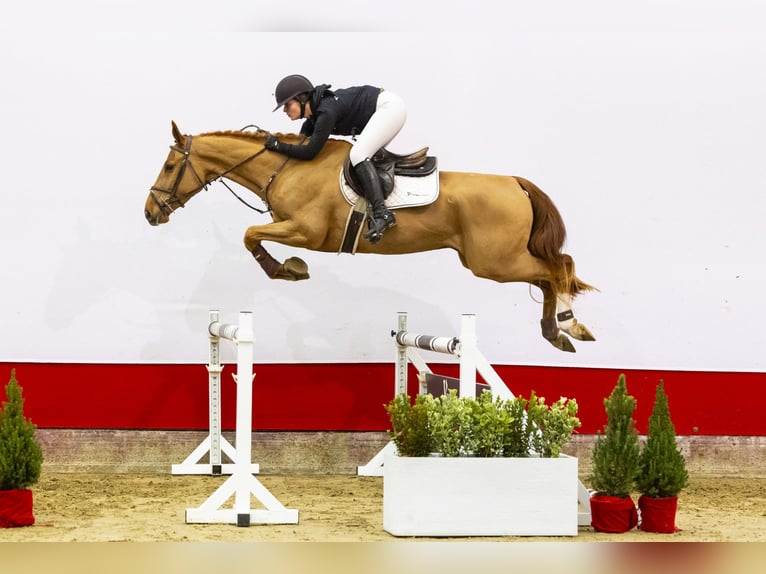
(546, 240)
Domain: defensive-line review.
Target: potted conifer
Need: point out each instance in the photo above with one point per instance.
(615, 462)
(661, 470)
(20, 459)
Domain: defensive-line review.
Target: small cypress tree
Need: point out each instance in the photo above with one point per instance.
(661, 468)
(20, 454)
(615, 454)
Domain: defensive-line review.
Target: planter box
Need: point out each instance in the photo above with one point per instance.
(467, 496)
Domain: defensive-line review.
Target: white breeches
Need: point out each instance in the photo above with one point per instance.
(385, 123)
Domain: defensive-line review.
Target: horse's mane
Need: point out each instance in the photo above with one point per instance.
(236, 134)
(259, 136)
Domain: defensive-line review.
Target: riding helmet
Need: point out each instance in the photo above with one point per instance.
(289, 87)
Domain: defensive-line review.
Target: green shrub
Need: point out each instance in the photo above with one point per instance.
(555, 424)
(517, 440)
(490, 419)
(20, 455)
(487, 426)
(450, 421)
(409, 425)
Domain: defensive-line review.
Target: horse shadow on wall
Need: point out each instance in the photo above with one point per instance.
(325, 316)
(88, 282)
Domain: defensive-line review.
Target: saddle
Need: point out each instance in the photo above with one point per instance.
(389, 164)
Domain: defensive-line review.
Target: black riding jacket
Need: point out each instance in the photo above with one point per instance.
(345, 112)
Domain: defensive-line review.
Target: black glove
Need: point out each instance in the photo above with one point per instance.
(272, 143)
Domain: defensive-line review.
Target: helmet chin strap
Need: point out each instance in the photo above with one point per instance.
(303, 108)
(304, 100)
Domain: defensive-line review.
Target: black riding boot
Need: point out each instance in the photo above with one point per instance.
(381, 218)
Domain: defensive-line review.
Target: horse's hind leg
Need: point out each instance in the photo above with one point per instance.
(564, 314)
(549, 323)
(524, 267)
(567, 321)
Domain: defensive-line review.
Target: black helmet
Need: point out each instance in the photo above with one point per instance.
(289, 87)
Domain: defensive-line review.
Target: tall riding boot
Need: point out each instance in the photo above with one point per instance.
(382, 218)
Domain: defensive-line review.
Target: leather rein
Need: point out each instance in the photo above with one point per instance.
(172, 202)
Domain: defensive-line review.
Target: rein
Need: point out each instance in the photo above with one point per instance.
(168, 204)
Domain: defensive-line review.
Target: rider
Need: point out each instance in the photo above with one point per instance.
(370, 114)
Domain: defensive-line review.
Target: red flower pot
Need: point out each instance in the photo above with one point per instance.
(658, 514)
(612, 513)
(16, 508)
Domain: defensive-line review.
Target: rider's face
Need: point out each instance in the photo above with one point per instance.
(293, 109)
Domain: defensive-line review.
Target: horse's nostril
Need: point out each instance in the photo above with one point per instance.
(147, 215)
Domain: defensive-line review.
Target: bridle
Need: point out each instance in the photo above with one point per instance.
(172, 202)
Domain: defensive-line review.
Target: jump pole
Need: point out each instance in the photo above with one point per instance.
(465, 348)
(408, 347)
(241, 485)
(215, 443)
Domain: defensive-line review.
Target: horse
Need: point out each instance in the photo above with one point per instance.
(503, 228)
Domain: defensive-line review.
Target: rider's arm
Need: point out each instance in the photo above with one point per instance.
(322, 129)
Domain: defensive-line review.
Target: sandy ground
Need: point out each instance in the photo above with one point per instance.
(151, 508)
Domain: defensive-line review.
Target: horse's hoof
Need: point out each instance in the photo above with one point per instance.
(293, 269)
(563, 343)
(579, 332)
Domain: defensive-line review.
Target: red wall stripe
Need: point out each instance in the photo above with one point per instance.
(350, 396)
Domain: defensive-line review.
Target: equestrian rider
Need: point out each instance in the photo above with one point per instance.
(369, 114)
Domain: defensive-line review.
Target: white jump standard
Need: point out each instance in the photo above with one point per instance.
(215, 442)
(242, 485)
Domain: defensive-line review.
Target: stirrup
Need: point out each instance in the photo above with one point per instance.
(373, 236)
(388, 218)
(376, 227)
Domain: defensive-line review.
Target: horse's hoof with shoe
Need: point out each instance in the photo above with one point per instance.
(293, 269)
(579, 332)
(562, 342)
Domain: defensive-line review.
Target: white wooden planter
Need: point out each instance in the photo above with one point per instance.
(471, 496)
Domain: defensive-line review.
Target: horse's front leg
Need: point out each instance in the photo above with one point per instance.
(294, 268)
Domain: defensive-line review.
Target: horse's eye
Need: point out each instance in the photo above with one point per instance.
(169, 167)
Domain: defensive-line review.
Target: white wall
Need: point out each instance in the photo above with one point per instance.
(645, 125)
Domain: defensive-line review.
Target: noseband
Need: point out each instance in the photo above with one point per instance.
(173, 202)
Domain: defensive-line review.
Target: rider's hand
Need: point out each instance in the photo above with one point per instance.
(272, 143)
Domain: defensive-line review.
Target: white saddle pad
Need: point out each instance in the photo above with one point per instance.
(408, 191)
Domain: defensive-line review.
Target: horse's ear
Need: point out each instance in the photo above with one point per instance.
(177, 133)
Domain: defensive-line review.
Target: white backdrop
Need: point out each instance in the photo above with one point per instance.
(646, 127)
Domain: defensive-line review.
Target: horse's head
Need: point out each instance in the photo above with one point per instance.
(177, 183)
(216, 156)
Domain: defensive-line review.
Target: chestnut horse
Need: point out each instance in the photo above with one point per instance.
(503, 228)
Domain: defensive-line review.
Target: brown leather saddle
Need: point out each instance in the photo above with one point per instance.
(389, 164)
